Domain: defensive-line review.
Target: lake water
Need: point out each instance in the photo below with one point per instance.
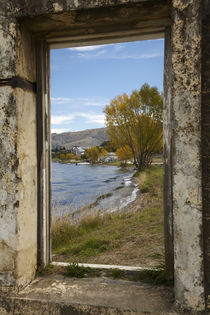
(104, 187)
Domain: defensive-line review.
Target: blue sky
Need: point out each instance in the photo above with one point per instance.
(85, 79)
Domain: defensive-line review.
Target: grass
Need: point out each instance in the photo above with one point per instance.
(130, 238)
(117, 273)
(76, 271)
(151, 181)
(84, 239)
(156, 276)
(156, 159)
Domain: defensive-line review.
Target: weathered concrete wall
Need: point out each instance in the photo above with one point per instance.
(167, 153)
(186, 160)
(100, 22)
(27, 8)
(187, 88)
(206, 137)
(18, 168)
(8, 185)
(26, 260)
(49, 18)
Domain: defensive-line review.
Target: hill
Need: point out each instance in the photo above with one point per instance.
(84, 138)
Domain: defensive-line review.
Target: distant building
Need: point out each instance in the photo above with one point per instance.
(78, 150)
(111, 158)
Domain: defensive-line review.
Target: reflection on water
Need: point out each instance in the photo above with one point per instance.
(76, 186)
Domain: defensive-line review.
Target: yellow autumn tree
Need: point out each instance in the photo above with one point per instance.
(124, 154)
(62, 156)
(92, 154)
(69, 156)
(136, 121)
(103, 154)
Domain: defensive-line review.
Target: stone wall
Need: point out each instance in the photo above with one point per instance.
(205, 129)
(186, 159)
(186, 113)
(22, 23)
(18, 167)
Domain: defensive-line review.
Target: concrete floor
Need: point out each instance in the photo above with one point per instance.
(54, 294)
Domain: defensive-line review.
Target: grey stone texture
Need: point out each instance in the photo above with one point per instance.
(186, 124)
(186, 159)
(18, 168)
(58, 295)
(205, 134)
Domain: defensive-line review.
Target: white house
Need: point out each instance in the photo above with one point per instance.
(78, 150)
(111, 158)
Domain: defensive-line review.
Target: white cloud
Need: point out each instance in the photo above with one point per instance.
(89, 118)
(99, 53)
(94, 118)
(119, 47)
(92, 55)
(59, 130)
(118, 53)
(87, 48)
(61, 100)
(91, 101)
(59, 120)
(140, 56)
(152, 40)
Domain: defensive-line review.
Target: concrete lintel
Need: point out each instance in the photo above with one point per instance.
(103, 39)
(36, 8)
(147, 18)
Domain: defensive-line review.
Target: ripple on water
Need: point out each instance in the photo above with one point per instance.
(76, 186)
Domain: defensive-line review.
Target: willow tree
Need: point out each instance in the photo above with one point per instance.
(124, 154)
(92, 154)
(136, 121)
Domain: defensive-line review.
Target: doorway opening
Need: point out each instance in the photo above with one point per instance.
(101, 212)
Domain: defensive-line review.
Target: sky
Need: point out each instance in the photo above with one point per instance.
(85, 79)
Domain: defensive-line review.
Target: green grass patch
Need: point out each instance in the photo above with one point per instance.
(156, 255)
(90, 247)
(74, 270)
(116, 273)
(156, 277)
(150, 180)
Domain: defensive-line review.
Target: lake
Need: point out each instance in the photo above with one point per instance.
(106, 188)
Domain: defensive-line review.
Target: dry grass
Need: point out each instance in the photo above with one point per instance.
(131, 238)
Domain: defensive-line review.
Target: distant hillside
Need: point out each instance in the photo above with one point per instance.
(84, 138)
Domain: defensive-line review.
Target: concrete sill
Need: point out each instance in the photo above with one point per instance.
(56, 294)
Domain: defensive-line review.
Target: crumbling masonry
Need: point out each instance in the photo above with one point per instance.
(28, 29)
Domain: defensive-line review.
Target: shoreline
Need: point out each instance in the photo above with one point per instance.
(118, 164)
(117, 200)
(92, 210)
